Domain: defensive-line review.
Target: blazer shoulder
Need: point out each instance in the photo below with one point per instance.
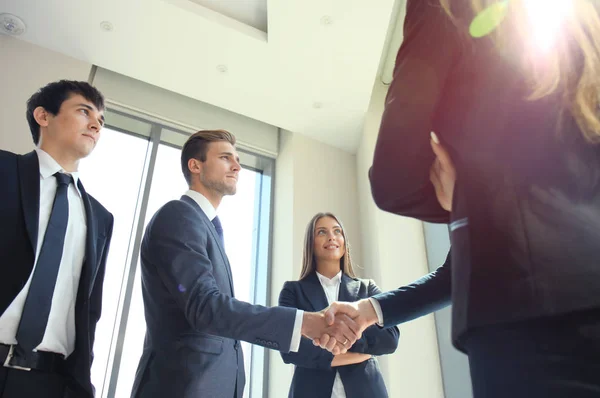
(6, 157)
(177, 208)
(7, 154)
(291, 285)
(99, 208)
(177, 214)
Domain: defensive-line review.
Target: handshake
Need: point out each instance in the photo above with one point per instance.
(338, 326)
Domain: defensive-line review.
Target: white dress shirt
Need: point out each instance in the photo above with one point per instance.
(59, 336)
(377, 308)
(332, 291)
(211, 213)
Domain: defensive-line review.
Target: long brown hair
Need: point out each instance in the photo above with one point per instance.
(578, 82)
(309, 262)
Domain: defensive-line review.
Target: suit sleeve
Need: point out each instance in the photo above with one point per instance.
(96, 296)
(424, 296)
(308, 355)
(399, 175)
(177, 246)
(376, 340)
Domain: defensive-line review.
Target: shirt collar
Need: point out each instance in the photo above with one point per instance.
(336, 280)
(49, 167)
(204, 203)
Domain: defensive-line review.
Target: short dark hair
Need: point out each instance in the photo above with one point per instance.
(196, 147)
(51, 96)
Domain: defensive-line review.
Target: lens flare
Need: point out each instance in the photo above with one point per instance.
(546, 17)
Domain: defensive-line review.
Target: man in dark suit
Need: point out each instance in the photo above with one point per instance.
(54, 241)
(193, 321)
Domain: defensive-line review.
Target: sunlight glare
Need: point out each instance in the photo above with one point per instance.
(545, 20)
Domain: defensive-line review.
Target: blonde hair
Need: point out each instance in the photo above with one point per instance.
(309, 262)
(579, 82)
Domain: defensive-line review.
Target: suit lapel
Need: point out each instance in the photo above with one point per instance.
(314, 292)
(215, 235)
(348, 289)
(29, 174)
(90, 264)
(211, 228)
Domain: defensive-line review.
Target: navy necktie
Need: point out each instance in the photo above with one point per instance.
(217, 223)
(34, 318)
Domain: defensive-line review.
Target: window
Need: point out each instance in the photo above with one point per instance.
(134, 170)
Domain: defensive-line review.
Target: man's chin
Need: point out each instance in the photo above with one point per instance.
(228, 190)
(85, 151)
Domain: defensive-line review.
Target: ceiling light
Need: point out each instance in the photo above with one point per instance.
(326, 20)
(222, 68)
(11, 25)
(106, 26)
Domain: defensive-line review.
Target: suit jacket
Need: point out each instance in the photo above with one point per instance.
(430, 293)
(314, 376)
(193, 321)
(526, 205)
(19, 218)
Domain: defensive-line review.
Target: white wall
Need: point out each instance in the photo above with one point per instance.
(149, 102)
(310, 177)
(394, 255)
(24, 69)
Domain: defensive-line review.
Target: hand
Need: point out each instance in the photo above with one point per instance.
(342, 332)
(442, 174)
(362, 312)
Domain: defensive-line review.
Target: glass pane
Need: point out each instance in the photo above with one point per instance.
(112, 174)
(237, 215)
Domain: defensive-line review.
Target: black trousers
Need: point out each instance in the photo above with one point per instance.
(15, 383)
(548, 358)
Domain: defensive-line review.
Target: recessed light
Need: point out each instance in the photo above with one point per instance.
(11, 25)
(222, 68)
(317, 105)
(106, 26)
(326, 20)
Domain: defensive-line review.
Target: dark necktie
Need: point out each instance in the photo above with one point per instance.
(217, 223)
(34, 318)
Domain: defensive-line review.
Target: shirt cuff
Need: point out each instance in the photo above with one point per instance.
(297, 335)
(377, 308)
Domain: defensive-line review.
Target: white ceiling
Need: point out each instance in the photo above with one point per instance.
(250, 12)
(312, 73)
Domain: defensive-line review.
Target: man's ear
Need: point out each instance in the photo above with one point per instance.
(194, 166)
(41, 116)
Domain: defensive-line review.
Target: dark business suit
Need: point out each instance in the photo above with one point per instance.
(314, 376)
(193, 322)
(19, 212)
(526, 204)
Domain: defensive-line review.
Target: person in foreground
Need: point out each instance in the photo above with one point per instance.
(193, 321)
(327, 276)
(54, 241)
(518, 112)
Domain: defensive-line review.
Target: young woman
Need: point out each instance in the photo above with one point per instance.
(327, 276)
(512, 89)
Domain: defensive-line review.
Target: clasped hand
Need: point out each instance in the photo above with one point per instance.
(344, 324)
